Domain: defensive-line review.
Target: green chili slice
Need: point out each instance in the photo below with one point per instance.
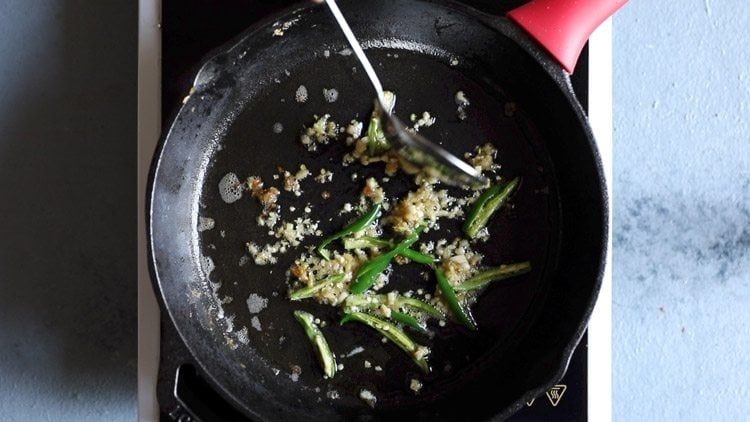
(500, 273)
(366, 242)
(360, 224)
(449, 294)
(486, 205)
(393, 333)
(417, 256)
(393, 301)
(409, 320)
(421, 306)
(325, 355)
(369, 272)
(376, 140)
(307, 292)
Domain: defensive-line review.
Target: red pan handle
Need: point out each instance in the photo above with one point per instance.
(563, 26)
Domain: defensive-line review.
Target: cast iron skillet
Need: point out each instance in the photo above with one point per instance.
(425, 51)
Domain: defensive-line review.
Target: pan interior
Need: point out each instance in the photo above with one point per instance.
(252, 148)
(261, 357)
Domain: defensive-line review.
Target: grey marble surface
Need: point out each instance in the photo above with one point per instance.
(67, 201)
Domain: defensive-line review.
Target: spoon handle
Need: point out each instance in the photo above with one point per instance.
(357, 49)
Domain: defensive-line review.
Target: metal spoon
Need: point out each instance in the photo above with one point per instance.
(413, 147)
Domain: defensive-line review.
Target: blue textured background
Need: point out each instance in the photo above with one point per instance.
(681, 218)
(681, 311)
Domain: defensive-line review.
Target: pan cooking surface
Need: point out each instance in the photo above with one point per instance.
(252, 148)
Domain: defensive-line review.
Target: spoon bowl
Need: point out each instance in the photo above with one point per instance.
(412, 146)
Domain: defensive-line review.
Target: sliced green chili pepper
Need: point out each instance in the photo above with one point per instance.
(418, 257)
(486, 205)
(373, 242)
(365, 242)
(325, 355)
(419, 305)
(310, 291)
(369, 272)
(409, 320)
(356, 303)
(393, 301)
(376, 140)
(360, 224)
(393, 333)
(397, 316)
(449, 294)
(495, 274)
(400, 249)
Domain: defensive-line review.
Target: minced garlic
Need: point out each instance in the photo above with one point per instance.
(373, 191)
(368, 397)
(423, 206)
(415, 385)
(425, 121)
(321, 132)
(324, 176)
(483, 157)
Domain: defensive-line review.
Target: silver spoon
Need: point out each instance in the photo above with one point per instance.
(413, 147)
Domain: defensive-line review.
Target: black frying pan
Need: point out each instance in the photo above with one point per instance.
(424, 51)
